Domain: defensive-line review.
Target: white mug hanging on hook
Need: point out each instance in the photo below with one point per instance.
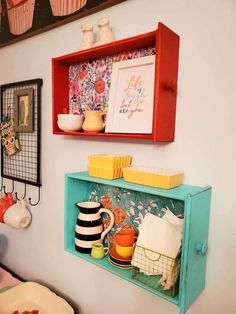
(17, 215)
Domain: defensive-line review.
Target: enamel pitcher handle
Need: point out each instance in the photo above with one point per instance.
(103, 114)
(109, 212)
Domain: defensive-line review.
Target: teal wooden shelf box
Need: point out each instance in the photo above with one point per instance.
(195, 202)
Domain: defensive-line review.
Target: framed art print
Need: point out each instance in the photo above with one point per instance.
(131, 97)
(23, 110)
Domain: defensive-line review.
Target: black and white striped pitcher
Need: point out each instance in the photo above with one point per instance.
(89, 227)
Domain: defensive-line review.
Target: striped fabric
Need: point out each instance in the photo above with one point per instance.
(14, 3)
(61, 7)
(20, 16)
(88, 230)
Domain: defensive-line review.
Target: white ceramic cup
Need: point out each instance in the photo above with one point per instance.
(17, 216)
(70, 122)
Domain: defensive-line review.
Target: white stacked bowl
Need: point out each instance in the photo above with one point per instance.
(70, 122)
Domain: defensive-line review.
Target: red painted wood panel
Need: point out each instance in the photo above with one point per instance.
(110, 135)
(167, 44)
(60, 90)
(118, 46)
(165, 89)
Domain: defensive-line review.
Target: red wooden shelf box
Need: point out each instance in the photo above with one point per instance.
(166, 45)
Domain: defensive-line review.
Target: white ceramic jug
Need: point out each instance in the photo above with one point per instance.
(105, 34)
(88, 38)
(17, 216)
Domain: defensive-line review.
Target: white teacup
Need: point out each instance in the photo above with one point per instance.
(70, 122)
(17, 216)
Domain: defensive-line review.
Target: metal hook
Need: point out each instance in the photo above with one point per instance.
(13, 186)
(37, 201)
(1, 183)
(23, 196)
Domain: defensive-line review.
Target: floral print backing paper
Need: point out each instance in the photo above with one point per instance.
(89, 81)
(130, 207)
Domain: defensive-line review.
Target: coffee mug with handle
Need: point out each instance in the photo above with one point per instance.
(126, 236)
(5, 202)
(17, 216)
(124, 251)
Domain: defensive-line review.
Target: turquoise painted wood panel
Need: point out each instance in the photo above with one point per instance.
(194, 251)
(122, 273)
(195, 203)
(75, 190)
(178, 193)
(79, 190)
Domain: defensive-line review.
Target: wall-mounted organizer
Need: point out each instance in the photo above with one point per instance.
(191, 201)
(72, 94)
(21, 115)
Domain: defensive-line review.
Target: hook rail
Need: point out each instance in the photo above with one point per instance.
(3, 187)
(38, 199)
(23, 197)
(13, 187)
(1, 183)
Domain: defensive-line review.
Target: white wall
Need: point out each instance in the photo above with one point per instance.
(205, 148)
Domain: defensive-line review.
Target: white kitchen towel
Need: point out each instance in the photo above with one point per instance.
(172, 218)
(160, 235)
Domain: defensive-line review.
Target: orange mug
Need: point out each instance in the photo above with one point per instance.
(126, 237)
(5, 203)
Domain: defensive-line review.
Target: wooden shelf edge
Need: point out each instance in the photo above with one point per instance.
(116, 135)
(122, 273)
(146, 38)
(180, 192)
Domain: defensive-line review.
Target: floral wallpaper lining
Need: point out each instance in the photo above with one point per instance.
(130, 207)
(89, 81)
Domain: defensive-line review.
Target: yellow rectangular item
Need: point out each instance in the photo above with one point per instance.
(109, 161)
(108, 166)
(156, 177)
(105, 173)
